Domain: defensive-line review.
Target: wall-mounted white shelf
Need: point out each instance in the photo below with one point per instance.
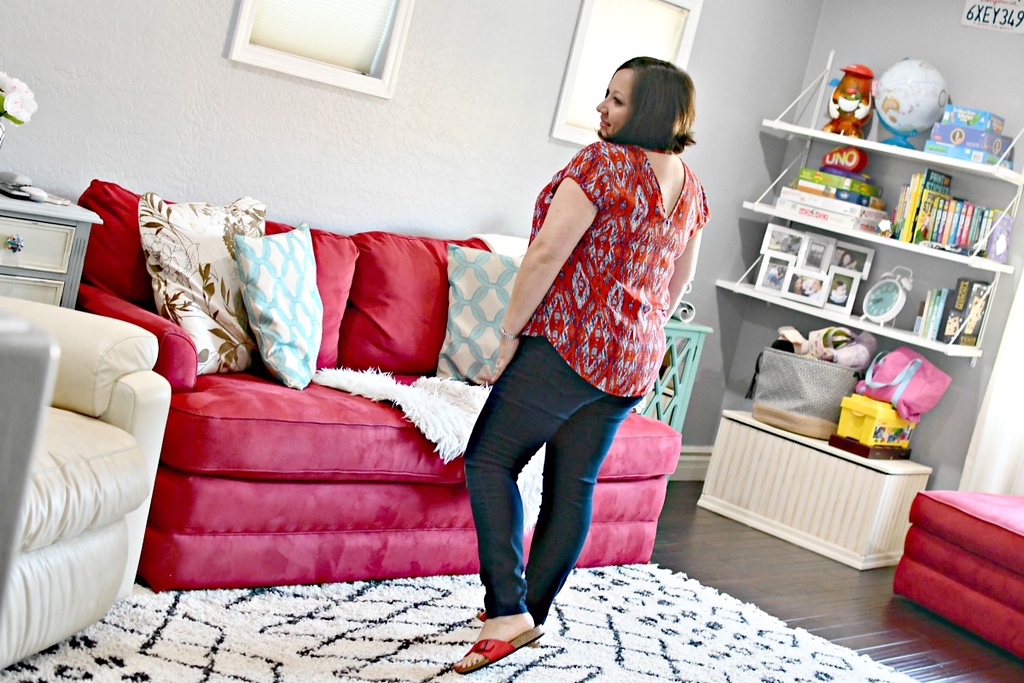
(976, 262)
(904, 336)
(984, 170)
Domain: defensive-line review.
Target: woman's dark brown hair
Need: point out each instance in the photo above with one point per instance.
(661, 110)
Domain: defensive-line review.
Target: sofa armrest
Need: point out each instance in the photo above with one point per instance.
(177, 359)
(95, 352)
(139, 405)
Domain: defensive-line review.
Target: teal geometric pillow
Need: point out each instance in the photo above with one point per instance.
(479, 286)
(286, 314)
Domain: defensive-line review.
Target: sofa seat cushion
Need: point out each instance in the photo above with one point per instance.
(252, 427)
(85, 475)
(643, 447)
(988, 525)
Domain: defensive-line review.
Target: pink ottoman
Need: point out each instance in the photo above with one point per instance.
(964, 560)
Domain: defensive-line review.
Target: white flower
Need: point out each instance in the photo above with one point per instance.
(17, 102)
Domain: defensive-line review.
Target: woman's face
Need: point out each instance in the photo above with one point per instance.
(614, 108)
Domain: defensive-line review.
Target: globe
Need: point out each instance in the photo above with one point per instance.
(909, 98)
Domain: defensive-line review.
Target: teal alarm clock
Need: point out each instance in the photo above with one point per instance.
(886, 298)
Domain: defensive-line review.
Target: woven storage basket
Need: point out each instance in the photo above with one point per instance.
(801, 394)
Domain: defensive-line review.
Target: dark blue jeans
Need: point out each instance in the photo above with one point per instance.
(539, 399)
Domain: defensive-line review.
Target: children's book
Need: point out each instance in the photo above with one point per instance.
(941, 296)
(929, 310)
(974, 313)
(954, 315)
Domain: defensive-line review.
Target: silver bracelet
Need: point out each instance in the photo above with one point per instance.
(507, 335)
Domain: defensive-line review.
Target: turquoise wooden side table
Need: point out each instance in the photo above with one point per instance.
(670, 396)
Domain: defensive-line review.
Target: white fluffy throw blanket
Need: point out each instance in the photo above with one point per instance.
(444, 409)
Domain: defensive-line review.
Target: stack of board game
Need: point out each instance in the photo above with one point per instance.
(970, 135)
(848, 201)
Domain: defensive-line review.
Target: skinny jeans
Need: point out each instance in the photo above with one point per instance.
(539, 399)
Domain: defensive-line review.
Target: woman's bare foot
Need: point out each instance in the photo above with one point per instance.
(498, 628)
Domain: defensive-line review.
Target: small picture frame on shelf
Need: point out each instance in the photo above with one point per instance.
(778, 239)
(771, 276)
(806, 286)
(841, 290)
(816, 253)
(850, 256)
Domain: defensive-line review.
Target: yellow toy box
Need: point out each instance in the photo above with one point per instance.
(873, 423)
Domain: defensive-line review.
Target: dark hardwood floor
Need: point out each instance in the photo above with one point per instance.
(856, 609)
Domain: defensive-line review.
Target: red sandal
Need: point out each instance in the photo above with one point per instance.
(493, 650)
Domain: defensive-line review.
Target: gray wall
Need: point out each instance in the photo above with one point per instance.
(142, 93)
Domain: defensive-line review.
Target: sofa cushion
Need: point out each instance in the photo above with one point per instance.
(278, 277)
(398, 306)
(190, 254)
(85, 475)
(479, 286)
(114, 260)
(253, 428)
(335, 256)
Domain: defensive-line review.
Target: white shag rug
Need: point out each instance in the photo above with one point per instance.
(635, 623)
(444, 410)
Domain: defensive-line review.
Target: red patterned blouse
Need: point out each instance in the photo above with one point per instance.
(606, 310)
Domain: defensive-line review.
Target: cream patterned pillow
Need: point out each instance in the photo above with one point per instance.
(190, 254)
(479, 287)
(278, 274)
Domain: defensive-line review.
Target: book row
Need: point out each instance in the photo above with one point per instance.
(954, 315)
(927, 212)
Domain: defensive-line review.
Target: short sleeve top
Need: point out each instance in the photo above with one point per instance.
(605, 312)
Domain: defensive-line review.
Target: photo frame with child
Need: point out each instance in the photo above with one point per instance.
(806, 286)
(850, 256)
(841, 289)
(771, 276)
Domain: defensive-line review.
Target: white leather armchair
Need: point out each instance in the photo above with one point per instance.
(78, 536)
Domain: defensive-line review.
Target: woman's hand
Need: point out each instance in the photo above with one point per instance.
(506, 351)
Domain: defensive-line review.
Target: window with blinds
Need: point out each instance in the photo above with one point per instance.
(608, 33)
(355, 44)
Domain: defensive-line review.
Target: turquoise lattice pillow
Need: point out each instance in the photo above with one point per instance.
(479, 286)
(278, 275)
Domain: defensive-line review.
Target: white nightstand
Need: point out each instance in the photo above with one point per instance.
(42, 249)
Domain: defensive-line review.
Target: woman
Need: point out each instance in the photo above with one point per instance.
(614, 242)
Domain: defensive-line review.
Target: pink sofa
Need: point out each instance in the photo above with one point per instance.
(262, 485)
(964, 560)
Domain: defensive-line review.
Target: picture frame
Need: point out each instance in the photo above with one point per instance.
(771, 275)
(851, 256)
(778, 239)
(841, 290)
(806, 286)
(816, 253)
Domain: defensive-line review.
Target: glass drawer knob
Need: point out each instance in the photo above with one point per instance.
(15, 243)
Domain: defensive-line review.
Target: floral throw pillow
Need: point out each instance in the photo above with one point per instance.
(479, 287)
(190, 255)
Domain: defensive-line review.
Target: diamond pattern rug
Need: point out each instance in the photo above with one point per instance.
(613, 624)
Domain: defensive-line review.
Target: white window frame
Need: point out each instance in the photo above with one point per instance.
(561, 129)
(383, 86)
